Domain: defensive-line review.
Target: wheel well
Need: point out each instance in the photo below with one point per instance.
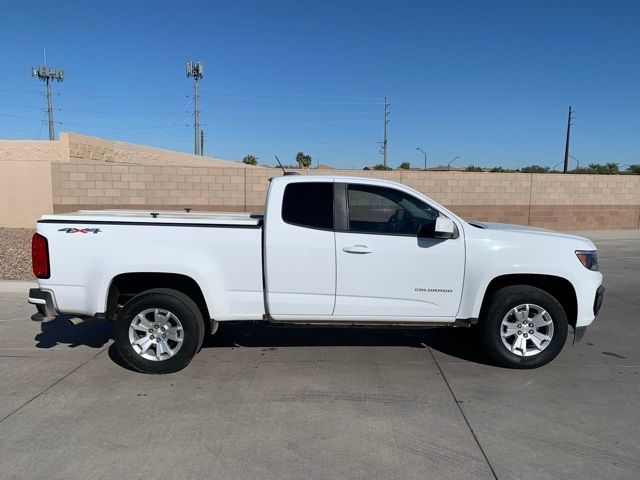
(560, 288)
(127, 285)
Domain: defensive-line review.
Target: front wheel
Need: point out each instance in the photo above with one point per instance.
(159, 331)
(524, 327)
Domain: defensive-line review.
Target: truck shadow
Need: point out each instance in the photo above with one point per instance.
(94, 333)
(461, 343)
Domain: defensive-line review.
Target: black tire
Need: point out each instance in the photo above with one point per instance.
(507, 298)
(175, 302)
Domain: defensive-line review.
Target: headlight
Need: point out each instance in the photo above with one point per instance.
(588, 258)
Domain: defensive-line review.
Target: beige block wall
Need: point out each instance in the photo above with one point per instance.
(95, 186)
(551, 201)
(25, 181)
(82, 148)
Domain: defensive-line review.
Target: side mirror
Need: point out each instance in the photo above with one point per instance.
(445, 228)
(442, 227)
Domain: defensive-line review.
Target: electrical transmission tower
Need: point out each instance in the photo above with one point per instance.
(196, 70)
(47, 75)
(566, 147)
(383, 148)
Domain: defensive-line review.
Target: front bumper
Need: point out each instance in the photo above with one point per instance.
(597, 303)
(44, 301)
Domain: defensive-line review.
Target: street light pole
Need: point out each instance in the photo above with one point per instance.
(425, 157)
(452, 160)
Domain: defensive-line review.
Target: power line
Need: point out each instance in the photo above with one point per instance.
(298, 113)
(109, 127)
(21, 106)
(112, 112)
(165, 96)
(289, 101)
(124, 97)
(160, 112)
(30, 92)
(609, 126)
(174, 119)
(18, 116)
(337, 122)
(287, 94)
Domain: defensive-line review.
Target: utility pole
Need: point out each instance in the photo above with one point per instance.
(47, 75)
(384, 141)
(195, 70)
(566, 147)
(201, 142)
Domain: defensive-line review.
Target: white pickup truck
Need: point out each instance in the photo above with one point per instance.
(328, 250)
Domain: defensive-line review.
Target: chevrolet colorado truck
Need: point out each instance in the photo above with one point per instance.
(328, 250)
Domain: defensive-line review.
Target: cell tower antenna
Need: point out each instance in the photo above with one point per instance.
(48, 75)
(195, 70)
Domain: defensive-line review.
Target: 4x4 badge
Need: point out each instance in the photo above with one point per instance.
(80, 230)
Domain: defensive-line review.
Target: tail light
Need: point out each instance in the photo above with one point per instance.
(40, 256)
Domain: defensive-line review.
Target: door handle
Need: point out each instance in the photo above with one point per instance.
(361, 249)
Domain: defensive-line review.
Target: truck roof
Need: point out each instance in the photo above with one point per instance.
(296, 177)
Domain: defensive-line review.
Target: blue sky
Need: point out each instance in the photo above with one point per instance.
(489, 81)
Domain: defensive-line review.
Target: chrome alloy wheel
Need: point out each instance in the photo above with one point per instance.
(526, 330)
(156, 334)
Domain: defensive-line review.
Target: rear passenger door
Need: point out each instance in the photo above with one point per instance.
(300, 257)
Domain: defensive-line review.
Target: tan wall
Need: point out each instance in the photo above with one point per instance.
(92, 173)
(25, 181)
(551, 201)
(81, 148)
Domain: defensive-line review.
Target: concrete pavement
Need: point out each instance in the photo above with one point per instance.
(287, 403)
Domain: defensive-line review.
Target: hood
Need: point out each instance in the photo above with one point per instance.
(528, 229)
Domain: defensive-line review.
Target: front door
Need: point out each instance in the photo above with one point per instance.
(384, 270)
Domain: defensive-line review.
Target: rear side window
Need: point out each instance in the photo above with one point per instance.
(309, 204)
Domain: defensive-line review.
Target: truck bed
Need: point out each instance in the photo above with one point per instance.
(237, 219)
(221, 252)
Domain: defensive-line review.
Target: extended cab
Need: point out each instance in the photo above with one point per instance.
(328, 250)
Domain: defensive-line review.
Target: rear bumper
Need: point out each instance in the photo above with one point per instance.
(44, 301)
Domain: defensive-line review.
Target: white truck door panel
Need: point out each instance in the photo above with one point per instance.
(384, 269)
(300, 252)
(399, 276)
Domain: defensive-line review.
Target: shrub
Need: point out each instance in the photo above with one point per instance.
(381, 167)
(534, 169)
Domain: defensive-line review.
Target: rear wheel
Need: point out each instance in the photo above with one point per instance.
(524, 327)
(159, 331)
